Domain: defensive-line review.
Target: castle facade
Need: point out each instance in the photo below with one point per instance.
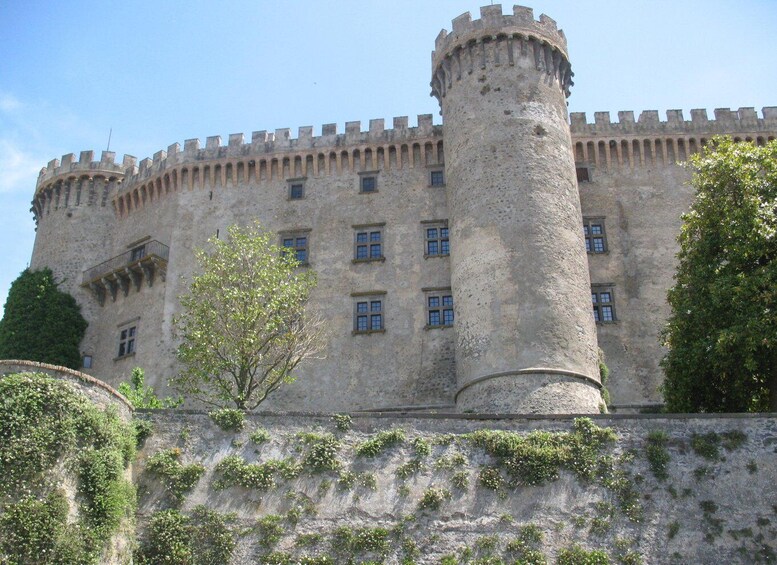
(476, 265)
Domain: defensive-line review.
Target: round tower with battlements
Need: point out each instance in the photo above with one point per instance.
(525, 335)
(74, 218)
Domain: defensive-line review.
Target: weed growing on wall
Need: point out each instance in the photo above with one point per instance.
(433, 498)
(657, 454)
(321, 451)
(381, 442)
(576, 555)
(260, 436)
(228, 419)
(46, 429)
(177, 478)
(342, 422)
(203, 537)
(234, 471)
(537, 458)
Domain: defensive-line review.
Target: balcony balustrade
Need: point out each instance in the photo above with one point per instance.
(143, 262)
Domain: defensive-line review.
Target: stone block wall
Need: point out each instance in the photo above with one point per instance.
(714, 504)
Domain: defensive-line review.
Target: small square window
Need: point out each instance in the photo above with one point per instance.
(368, 183)
(602, 299)
(368, 243)
(127, 338)
(298, 243)
(368, 314)
(439, 308)
(296, 188)
(86, 362)
(436, 242)
(583, 174)
(436, 178)
(595, 237)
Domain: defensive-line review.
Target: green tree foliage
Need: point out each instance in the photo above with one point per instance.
(41, 323)
(244, 328)
(142, 396)
(722, 333)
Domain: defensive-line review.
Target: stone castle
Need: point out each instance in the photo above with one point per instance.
(475, 265)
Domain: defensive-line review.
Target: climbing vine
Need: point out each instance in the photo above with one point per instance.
(47, 429)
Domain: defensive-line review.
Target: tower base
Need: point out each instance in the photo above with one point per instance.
(530, 391)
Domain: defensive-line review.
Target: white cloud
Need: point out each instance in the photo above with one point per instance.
(18, 169)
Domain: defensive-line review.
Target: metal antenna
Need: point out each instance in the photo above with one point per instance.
(109, 139)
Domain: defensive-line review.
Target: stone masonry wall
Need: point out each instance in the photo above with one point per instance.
(716, 503)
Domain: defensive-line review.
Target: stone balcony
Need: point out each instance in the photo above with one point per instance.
(145, 261)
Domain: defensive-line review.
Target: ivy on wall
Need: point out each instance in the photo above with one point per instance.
(50, 432)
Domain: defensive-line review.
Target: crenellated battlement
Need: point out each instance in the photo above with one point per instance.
(647, 141)
(497, 39)
(84, 166)
(281, 141)
(277, 155)
(726, 122)
(492, 21)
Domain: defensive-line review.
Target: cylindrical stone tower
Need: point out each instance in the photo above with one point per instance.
(74, 218)
(525, 334)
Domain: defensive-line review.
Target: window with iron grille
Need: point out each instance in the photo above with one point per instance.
(603, 299)
(436, 178)
(595, 236)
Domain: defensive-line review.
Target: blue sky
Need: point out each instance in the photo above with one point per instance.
(159, 72)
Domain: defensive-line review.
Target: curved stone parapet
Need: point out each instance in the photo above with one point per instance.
(102, 394)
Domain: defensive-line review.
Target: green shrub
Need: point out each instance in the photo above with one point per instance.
(46, 425)
(433, 498)
(354, 541)
(178, 479)
(228, 419)
(451, 461)
(491, 478)
(308, 540)
(36, 531)
(342, 422)
(733, 439)
(321, 453)
(576, 555)
(261, 476)
(421, 447)
(259, 436)
(143, 430)
(657, 454)
(270, 529)
(536, 458)
(460, 479)
(142, 396)
(409, 468)
(382, 441)
(172, 538)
